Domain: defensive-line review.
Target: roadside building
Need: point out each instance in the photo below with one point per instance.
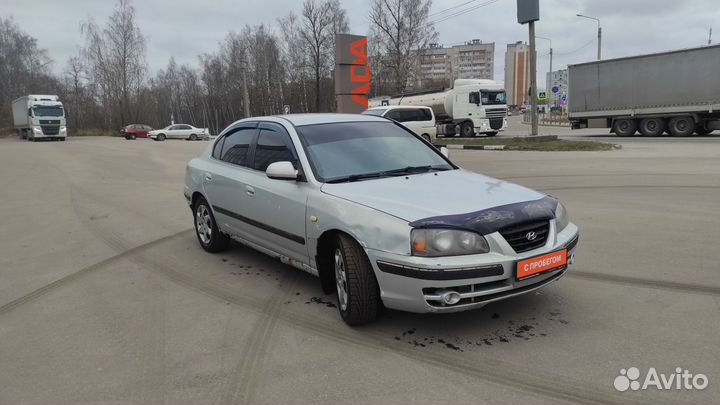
(440, 66)
(517, 73)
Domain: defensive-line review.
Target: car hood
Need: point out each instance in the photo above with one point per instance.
(422, 196)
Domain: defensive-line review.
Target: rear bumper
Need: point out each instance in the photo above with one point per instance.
(412, 284)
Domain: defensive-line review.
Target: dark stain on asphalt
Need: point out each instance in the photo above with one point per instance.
(319, 300)
(514, 330)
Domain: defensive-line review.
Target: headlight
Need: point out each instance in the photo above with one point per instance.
(63, 129)
(37, 129)
(446, 242)
(561, 217)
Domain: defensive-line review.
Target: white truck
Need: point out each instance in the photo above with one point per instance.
(470, 107)
(39, 117)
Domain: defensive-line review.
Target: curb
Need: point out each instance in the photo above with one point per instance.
(472, 147)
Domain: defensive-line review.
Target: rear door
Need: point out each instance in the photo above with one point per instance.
(277, 207)
(226, 178)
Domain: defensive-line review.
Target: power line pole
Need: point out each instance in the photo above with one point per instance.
(710, 37)
(533, 81)
(246, 97)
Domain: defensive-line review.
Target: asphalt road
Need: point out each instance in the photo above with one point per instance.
(105, 295)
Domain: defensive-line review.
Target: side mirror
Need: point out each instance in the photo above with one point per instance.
(282, 171)
(445, 152)
(29, 112)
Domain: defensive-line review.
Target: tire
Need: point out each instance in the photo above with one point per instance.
(491, 134)
(681, 126)
(161, 137)
(193, 137)
(625, 127)
(467, 130)
(206, 229)
(426, 137)
(652, 126)
(358, 292)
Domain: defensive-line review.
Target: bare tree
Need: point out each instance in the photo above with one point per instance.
(320, 22)
(116, 59)
(24, 68)
(401, 29)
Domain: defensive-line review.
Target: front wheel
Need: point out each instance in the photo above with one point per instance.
(426, 137)
(357, 288)
(467, 129)
(193, 137)
(161, 137)
(206, 229)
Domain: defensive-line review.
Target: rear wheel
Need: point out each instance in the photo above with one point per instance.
(681, 126)
(652, 126)
(467, 129)
(206, 229)
(625, 127)
(357, 288)
(193, 137)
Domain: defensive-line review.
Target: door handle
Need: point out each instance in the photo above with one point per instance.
(249, 190)
(208, 176)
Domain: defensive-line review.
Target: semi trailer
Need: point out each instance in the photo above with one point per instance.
(470, 107)
(676, 91)
(39, 117)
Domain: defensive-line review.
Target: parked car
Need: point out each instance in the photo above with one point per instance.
(135, 131)
(180, 131)
(420, 120)
(382, 217)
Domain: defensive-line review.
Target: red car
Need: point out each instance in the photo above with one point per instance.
(135, 131)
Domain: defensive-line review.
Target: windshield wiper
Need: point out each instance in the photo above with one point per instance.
(386, 173)
(356, 177)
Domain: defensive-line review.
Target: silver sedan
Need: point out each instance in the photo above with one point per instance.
(377, 213)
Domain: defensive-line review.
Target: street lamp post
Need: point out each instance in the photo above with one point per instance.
(549, 79)
(599, 34)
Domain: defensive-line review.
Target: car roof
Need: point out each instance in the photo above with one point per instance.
(397, 107)
(327, 118)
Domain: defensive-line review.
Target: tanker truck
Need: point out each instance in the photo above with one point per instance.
(470, 107)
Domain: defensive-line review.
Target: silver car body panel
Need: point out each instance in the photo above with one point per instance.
(376, 213)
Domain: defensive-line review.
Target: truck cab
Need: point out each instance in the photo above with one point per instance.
(483, 102)
(40, 117)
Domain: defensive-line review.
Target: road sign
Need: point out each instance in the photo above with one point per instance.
(542, 95)
(555, 89)
(564, 97)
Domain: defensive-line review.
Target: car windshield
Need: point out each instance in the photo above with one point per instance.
(493, 97)
(48, 111)
(351, 151)
(375, 111)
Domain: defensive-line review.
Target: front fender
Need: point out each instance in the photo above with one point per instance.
(373, 229)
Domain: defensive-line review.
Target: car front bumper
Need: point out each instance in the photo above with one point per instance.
(413, 284)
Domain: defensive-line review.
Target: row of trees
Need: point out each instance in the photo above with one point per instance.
(252, 72)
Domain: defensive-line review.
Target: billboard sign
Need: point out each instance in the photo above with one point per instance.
(528, 11)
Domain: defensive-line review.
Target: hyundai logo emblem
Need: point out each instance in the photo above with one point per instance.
(531, 235)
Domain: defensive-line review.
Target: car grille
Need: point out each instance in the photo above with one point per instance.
(496, 123)
(495, 112)
(49, 122)
(517, 236)
(50, 129)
